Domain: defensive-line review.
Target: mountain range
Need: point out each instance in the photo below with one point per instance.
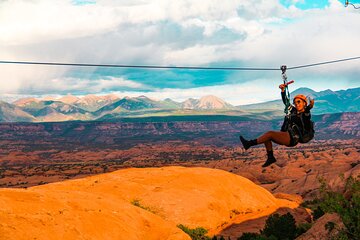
(325, 101)
(110, 107)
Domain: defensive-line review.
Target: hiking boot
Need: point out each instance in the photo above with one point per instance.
(247, 144)
(270, 159)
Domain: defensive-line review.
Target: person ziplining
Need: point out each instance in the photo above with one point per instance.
(297, 126)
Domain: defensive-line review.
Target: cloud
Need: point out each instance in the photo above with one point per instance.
(42, 21)
(77, 86)
(314, 36)
(235, 94)
(255, 33)
(81, 86)
(197, 55)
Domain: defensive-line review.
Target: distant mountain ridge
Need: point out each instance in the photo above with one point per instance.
(326, 101)
(206, 102)
(110, 107)
(12, 113)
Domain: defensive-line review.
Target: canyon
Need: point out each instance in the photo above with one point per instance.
(35, 156)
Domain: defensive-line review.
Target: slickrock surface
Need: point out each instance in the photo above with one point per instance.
(318, 230)
(103, 206)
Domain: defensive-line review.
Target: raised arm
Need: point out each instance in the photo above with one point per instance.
(284, 98)
(310, 106)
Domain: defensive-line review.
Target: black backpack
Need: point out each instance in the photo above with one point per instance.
(307, 134)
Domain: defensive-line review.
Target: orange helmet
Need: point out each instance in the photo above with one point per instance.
(300, 96)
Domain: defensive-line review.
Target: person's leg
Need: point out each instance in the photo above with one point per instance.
(282, 138)
(268, 145)
(270, 154)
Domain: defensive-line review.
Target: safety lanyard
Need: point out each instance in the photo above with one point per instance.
(287, 93)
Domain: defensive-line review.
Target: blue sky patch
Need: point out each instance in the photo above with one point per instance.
(306, 4)
(83, 2)
(160, 78)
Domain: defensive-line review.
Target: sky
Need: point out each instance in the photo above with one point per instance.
(204, 33)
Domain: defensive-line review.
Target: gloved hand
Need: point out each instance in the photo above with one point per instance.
(311, 102)
(282, 87)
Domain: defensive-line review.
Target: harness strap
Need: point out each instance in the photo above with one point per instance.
(287, 94)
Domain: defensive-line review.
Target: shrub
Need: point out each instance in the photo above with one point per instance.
(314, 205)
(302, 228)
(278, 228)
(195, 234)
(330, 226)
(281, 227)
(252, 236)
(137, 203)
(346, 205)
(318, 213)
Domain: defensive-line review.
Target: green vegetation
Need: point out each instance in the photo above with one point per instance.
(220, 238)
(302, 228)
(253, 236)
(278, 228)
(195, 234)
(281, 227)
(346, 205)
(137, 203)
(314, 205)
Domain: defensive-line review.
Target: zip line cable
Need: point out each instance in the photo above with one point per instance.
(322, 63)
(173, 67)
(349, 3)
(354, 6)
(138, 66)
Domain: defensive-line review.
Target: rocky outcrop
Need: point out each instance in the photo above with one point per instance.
(318, 230)
(339, 124)
(134, 204)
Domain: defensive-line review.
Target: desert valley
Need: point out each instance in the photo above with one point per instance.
(35, 154)
(176, 165)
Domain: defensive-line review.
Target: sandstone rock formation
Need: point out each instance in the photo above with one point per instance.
(146, 203)
(318, 230)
